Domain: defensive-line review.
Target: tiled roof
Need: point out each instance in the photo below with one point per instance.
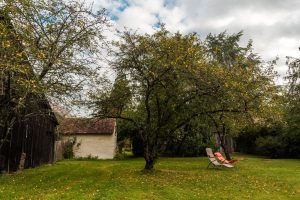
(85, 126)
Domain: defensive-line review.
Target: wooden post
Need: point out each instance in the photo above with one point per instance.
(22, 161)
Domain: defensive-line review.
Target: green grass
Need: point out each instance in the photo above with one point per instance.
(175, 178)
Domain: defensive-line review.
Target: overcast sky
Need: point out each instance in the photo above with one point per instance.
(274, 25)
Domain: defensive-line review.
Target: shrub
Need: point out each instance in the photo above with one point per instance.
(89, 157)
(120, 156)
(276, 141)
(68, 148)
(272, 146)
(292, 140)
(261, 140)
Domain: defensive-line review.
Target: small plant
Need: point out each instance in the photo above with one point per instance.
(89, 157)
(68, 147)
(120, 156)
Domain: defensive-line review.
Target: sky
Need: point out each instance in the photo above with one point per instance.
(273, 25)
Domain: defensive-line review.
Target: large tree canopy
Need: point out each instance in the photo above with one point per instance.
(167, 76)
(169, 79)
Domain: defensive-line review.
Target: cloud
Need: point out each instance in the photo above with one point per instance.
(274, 25)
(137, 18)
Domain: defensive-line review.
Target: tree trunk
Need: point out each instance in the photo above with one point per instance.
(150, 155)
(149, 164)
(227, 155)
(223, 140)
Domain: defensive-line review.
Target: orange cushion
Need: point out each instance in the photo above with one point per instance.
(220, 157)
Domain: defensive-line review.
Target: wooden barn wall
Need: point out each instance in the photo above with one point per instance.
(34, 136)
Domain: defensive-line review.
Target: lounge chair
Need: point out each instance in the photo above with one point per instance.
(214, 161)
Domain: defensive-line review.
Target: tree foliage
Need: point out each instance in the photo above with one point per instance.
(171, 79)
(246, 86)
(47, 48)
(191, 139)
(167, 76)
(62, 41)
(292, 136)
(278, 137)
(17, 81)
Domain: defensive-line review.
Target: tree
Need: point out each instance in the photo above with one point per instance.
(62, 41)
(16, 79)
(246, 88)
(47, 47)
(294, 83)
(292, 135)
(167, 76)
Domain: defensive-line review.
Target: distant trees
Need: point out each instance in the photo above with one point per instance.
(292, 136)
(246, 87)
(293, 78)
(278, 138)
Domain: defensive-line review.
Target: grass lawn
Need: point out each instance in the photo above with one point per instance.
(175, 178)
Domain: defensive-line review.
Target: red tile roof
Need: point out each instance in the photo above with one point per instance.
(85, 126)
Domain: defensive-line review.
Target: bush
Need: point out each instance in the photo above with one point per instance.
(272, 146)
(276, 141)
(292, 140)
(89, 157)
(68, 148)
(120, 156)
(246, 142)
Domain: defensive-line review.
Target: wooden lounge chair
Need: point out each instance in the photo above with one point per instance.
(213, 161)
